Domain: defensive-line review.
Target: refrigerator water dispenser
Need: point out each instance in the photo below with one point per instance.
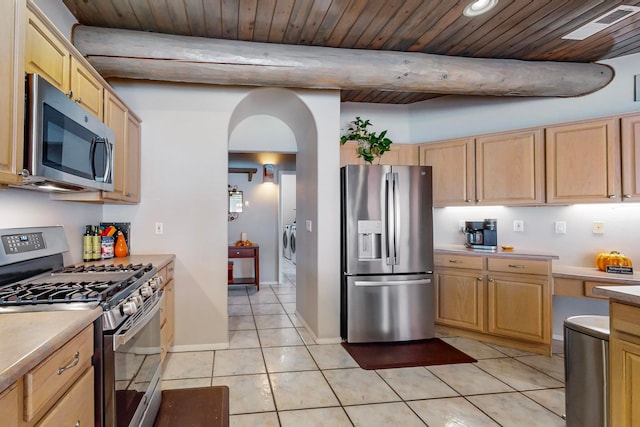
(369, 240)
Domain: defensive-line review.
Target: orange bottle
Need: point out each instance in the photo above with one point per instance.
(121, 249)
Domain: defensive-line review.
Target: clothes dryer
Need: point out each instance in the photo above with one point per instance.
(292, 243)
(286, 238)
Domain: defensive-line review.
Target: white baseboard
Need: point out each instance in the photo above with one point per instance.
(198, 347)
(558, 337)
(317, 340)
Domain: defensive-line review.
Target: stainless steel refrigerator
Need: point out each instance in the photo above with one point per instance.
(387, 290)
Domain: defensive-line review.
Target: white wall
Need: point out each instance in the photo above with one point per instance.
(27, 208)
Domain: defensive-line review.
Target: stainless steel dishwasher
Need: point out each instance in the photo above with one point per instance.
(586, 371)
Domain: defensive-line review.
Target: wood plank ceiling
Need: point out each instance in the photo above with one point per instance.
(515, 29)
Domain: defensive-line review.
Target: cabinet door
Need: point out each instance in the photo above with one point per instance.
(132, 161)
(624, 353)
(75, 408)
(348, 155)
(86, 89)
(510, 169)
(583, 162)
(453, 167)
(12, 89)
(631, 158)
(45, 54)
(519, 307)
(115, 116)
(460, 299)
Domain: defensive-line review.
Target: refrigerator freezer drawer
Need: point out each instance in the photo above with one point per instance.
(390, 308)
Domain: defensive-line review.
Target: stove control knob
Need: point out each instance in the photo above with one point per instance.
(146, 291)
(156, 282)
(137, 299)
(128, 308)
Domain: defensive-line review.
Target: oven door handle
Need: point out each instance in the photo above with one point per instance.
(124, 335)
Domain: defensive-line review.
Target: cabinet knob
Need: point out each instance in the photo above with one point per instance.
(79, 100)
(627, 196)
(469, 201)
(490, 279)
(611, 196)
(69, 94)
(480, 279)
(478, 200)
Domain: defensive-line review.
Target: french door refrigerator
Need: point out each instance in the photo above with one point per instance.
(387, 290)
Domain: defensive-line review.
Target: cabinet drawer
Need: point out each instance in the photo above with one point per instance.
(524, 266)
(57, 372)
(588, 289)
(75, 408)
(241, 252)
(170, 268)
(624, 318)
(458, 261)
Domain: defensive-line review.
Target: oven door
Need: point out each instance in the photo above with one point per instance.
(132, 365)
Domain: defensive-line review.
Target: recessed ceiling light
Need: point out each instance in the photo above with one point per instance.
(478, 7)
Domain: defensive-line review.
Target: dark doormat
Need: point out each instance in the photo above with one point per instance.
(194, 407)
(406, 354)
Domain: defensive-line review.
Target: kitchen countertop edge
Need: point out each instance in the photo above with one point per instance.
(462, 250)
(594, 275)
(625, 294)
(47, 331)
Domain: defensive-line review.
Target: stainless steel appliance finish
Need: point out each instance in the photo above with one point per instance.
(586, 362)
(127, 336)
(292, 242)
(66, 148)
(286, 242)
(481, 235)
(387, 254)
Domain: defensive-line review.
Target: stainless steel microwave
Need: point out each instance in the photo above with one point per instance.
(66, 148)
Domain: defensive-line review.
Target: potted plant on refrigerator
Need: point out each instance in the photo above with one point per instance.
(369, 145)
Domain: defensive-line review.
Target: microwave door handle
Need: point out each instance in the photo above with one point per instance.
(107, 168)
(92, 158)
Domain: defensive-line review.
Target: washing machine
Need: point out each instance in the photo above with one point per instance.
(286, 238)
(292, 243)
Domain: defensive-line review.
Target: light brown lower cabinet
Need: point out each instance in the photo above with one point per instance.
(624, 355)
(167, 313)
(499, 300)
(59, 391)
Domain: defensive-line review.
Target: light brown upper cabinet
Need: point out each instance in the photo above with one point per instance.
(48, 55)
(498, 169)
(583, 162)
(12, 90)
(630, 130)
(399, 154)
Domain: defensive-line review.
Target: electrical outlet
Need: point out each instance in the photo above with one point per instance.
(518, 225)
(159, 228)
(598, 227)
(461, 225)
(561, 227)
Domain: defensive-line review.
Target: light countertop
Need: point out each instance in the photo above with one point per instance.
(627, 294)
(514, 253)
(26, 339)
(595, 275)
(158, 260)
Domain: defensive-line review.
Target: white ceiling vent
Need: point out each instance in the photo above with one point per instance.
(608, 19)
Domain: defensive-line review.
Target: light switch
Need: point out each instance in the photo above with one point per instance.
(309, 225)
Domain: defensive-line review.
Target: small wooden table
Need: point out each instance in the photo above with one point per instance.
(246, 252)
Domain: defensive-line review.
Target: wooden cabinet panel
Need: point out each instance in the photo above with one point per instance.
(12, 89)
(460, 299)
(57, 372)
(10, 406)
(458, 261)
(398, 154)
(86, 89)
(115, 116)
(453, 170)
(583, 162)
(132, 160)
(76, 407)
(45, 54)
(624, 350)
(630, 131)
(510, 169)
(519, 307)
(520, 266)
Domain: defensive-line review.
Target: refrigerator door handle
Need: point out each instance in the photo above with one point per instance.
(394, 282)
(391, 224)
(396, 217)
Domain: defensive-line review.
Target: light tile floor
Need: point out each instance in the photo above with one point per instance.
(278, 376)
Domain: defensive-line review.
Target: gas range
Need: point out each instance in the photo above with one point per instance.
(37, 281)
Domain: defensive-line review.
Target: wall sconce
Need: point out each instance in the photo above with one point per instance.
(268, 173)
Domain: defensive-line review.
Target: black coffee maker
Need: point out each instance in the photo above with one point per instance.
(481, 235)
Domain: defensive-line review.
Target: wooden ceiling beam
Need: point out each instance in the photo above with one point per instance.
(154, 56)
